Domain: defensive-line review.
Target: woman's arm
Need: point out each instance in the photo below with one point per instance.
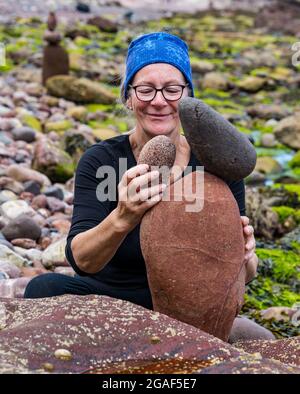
(93, 248)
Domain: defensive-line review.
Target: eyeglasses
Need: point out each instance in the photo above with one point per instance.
(148, 93)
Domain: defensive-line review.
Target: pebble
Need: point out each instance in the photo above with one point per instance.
(14, 288)
(32, 187)
(7, 195)
(10, 270)
(54, 254)
(268, 140)
(8, 255)
(22, 226)
(54, 191)
(55, 205)
(23, 174)
(155, 339)
(12, 185)
(39, 201)
(48, 367)
(25, 243)
(12, 209)
(63, 354)
(26, 134)
(65, 271)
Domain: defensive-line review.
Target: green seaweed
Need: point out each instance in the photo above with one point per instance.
(277, 284)
(295, 162)
(285, 212)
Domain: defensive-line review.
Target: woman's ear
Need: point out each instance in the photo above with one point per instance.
(129, 103)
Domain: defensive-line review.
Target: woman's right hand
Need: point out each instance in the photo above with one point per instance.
(139, 190)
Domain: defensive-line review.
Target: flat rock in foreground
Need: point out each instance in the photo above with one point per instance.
(285, 350)
(78, 334)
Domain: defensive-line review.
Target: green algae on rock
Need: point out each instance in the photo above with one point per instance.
(79, 90)
(53, 161)
(277, 284)
(58, 126)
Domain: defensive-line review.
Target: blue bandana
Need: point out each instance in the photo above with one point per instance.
(158, 47)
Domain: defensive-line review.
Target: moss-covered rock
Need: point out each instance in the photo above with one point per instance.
(267, 165)
(31, 121)
(58, 126)
(277, 284)
(285, 212)
(295, 162)
(288, 131)
(75, 143)
(202, 66)
(53, 161)
(215, 80)
(78, 113)
(252, 84)
(290, 188)
(104, 133)
(79, 90)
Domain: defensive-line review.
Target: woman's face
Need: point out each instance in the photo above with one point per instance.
(159, 116)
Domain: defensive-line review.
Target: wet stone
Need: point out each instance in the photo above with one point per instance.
(32, 187)
(22, 227)
(26, 134)
(54, 191)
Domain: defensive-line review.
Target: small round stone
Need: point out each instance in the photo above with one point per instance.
(159, 151)
(63, 354)
(48, 367)
(154, 339)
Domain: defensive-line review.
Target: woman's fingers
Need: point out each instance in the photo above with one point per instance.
(249, 255)
(250, 245)
(133, 172)
(245, 220)
(248, 230)
(151, 192)
(142, 182)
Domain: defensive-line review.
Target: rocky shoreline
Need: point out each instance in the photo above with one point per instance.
(243, 71)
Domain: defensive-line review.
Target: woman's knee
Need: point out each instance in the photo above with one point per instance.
(46, 285)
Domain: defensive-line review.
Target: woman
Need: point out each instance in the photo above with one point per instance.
(103, 243)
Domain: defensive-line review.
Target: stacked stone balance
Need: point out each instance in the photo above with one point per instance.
(55, 57)
(193, 246)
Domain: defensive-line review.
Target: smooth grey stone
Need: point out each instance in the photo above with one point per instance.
(217, 144)
(22, 227)
(54, 191)
(26, 134)
(6, 243)
(3, 138)
(32, 187)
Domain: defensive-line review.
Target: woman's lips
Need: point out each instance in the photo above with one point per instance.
(159, 115)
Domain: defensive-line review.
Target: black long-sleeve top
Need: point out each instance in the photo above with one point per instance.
(126, 269)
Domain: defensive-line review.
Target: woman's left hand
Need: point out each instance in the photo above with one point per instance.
(250, 259)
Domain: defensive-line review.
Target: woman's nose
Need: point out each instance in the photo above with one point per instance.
(159, 99)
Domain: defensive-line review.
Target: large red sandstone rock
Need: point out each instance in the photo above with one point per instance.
(101, 334)
(194, 260)
(285, 350)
